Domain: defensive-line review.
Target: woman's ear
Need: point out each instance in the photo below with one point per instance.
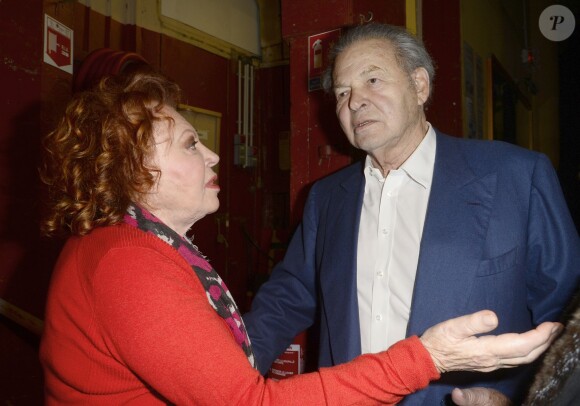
(422, 85)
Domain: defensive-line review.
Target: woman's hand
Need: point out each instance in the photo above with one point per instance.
(454, 347)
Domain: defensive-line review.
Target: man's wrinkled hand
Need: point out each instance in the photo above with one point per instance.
(453, 344)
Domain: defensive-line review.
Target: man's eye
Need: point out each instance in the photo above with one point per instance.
(373, 80)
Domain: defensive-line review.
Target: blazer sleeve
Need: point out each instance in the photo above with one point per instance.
(285, 305)
(553, 248)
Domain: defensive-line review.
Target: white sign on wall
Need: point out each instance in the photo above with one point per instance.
(58, 44)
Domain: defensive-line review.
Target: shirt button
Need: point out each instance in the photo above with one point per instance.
(378, 317)
(380, 274)
(385, 231)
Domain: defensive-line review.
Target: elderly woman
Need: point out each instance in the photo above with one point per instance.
(137, 315)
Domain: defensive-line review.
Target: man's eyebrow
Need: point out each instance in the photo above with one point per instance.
(367, 71)
(370, 69)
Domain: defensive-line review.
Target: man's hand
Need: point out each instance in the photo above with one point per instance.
(479, 397)
(454, 347)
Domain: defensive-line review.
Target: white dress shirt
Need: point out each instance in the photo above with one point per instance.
(391, 226)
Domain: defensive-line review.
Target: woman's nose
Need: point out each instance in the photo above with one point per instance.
(211, 157)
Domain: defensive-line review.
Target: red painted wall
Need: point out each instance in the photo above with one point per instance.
(24, 81)
(255, 201)
(35, 97)
(442, 38)
(314, 126)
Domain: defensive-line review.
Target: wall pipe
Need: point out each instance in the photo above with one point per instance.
(239, 97)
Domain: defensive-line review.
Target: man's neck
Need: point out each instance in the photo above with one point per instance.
(393, 158)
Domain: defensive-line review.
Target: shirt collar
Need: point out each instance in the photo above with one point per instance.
(419, 166)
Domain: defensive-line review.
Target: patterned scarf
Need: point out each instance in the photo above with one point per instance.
(218, 295)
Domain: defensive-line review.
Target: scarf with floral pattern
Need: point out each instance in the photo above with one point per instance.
(218, 295)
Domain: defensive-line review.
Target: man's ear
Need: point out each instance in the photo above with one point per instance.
(422, 85)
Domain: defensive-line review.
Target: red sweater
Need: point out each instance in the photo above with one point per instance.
(128, 322)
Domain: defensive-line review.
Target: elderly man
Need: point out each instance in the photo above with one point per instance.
(425, 228)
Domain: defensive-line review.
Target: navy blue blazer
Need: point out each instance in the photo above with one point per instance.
(497, 235)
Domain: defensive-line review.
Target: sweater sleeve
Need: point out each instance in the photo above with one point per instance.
(156, 320)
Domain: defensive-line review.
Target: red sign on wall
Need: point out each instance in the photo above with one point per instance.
(289, 363)
(58, 42)
(318, 47)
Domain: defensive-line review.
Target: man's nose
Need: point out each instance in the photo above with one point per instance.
(357, 100)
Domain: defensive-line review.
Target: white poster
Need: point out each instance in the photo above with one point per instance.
(58, 44)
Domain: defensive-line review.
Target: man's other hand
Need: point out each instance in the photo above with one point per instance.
(479, 397)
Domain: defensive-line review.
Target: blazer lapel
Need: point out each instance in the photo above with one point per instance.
(453, 238)
(338, 269)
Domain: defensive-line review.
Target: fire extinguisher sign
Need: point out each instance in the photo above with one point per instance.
(58, 44)
(318, 47)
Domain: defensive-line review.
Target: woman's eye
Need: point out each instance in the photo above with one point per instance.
(192, 144)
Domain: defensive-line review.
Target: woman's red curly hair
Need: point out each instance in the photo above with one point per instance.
(95, 161)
